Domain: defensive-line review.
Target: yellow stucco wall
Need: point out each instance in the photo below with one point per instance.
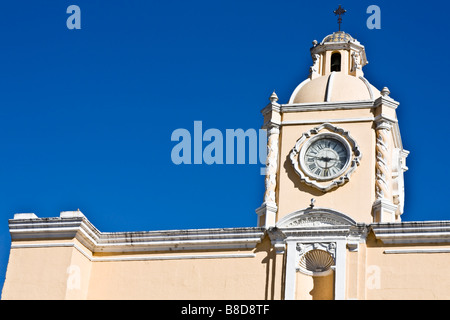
(371, 273)
(406, 275)
(66, 273)
(37, 273)
(356, 197)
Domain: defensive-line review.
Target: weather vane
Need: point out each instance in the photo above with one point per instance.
(339, 12)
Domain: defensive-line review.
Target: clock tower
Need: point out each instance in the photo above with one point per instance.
(335, 144)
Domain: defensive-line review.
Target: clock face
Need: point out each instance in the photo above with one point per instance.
(325, 160)
(325, 157)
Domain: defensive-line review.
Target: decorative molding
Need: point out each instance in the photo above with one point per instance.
(385, 118)
(330, 46)
(316, 258)
(369, 88)
(384, 211)
(334, 245)
(277, 238)
(329, 89)
(318, 121)
(323, 106)
(329, 247)
(398, 184)
(341, 180)
(386, 101)
(356, 63)
(268, 209)
(172, 240)
(316, 217)
(383, 172)
(421, 250)
(271, 164)
(412, 232)
(314, 71)
(322, 223)
(321, 229)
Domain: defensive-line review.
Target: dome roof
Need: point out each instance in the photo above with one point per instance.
(334, 87)
(338, 36)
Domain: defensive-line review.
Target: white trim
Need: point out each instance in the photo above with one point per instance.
(339, 267)
(140, 258)
(384, 117)
(42, 245)
(329, 89)
(322, 106)
(179, 257)
(426, 250)
(290, 283)
(340, 270)
(96, 241)
(344, 120)
(386, 101)
(412, 232)
(367, 85)
(315, 217)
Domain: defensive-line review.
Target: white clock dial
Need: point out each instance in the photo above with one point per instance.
(325, 157)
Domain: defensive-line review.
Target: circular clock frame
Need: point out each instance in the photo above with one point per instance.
(306, 167)
(340, 178)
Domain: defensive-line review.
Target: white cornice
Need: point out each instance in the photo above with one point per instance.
(412, 232)
(386, 101)
(273, 106)
(339, 105)
(419, 250)
(318, 224)
(319, 121)
(322, 106)
(171, 240)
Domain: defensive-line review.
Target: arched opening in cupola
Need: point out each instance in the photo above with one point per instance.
(336, 62)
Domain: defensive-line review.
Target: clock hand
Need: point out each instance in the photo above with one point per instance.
(324, 158)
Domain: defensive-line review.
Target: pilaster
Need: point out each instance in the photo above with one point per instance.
(384, 208)
(272, 119)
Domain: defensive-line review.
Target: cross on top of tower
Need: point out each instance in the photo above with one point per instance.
(339, 12)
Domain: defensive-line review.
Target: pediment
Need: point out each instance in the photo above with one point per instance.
(315, 217)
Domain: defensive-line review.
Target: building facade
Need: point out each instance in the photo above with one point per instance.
(329, 226)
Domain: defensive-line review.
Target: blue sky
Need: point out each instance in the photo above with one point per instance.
(86, 116)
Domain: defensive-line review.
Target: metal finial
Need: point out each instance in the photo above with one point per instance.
(339, 12)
